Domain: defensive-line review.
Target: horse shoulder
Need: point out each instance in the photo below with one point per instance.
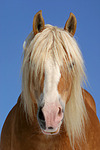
(92, 127)
(6, 133)
(89, 99)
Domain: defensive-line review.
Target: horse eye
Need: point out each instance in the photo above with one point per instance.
(72, 65)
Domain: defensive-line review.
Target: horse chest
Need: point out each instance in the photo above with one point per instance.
(51, 143)
(44, 143)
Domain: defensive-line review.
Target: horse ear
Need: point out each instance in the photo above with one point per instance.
(38, 22)
(71, 23)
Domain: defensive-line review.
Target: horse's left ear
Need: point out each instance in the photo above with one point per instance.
(38, 22)
(71, 23)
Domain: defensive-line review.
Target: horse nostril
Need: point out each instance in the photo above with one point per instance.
(41, 119)
(41, 115)
(59, 111)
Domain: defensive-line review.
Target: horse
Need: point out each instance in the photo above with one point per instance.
(53, 111)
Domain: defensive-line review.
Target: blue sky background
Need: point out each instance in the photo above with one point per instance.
(16, 17)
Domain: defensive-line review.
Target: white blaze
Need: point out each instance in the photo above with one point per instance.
(52, 77)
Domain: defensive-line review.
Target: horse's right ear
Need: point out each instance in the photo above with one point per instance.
(38, 22)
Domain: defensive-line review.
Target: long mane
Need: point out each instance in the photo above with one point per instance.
(55, 42)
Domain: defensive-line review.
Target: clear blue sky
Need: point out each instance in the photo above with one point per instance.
(16, 17)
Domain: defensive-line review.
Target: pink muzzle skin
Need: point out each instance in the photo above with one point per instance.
(53, 114)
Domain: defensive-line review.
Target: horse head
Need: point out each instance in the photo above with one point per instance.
(53, 71)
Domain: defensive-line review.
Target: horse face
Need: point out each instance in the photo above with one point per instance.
(54, 90)
(51, 102)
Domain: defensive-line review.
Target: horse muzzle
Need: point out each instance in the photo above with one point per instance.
(50, 118)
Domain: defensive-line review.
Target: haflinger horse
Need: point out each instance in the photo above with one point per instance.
(53, 111)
